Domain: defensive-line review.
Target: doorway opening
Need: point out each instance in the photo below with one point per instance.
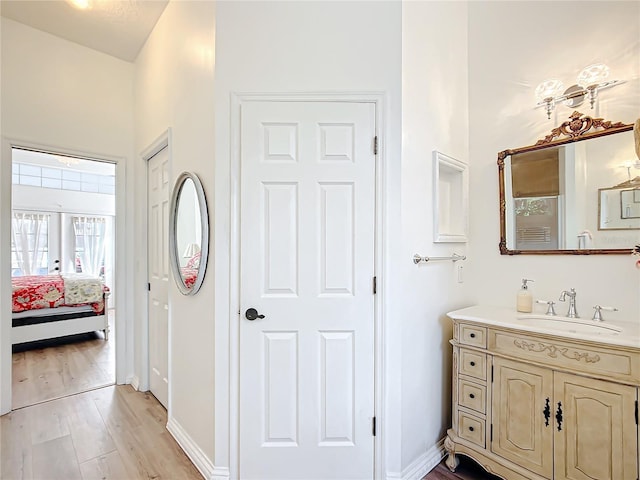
(62, 271)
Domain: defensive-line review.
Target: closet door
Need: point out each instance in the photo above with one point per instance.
(158, 251)
(307, 266)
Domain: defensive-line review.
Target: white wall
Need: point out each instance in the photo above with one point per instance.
(174, 89)
(434, 117)
(5, 260)
(59, 93)
(512, 47)
(277, 47)
(68, 98)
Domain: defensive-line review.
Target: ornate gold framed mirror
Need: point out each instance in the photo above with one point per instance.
(552, 193)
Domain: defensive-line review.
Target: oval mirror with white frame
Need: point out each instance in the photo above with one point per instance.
(188, 233)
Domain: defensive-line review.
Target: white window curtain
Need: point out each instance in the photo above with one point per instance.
(29, 233)
(90, 233)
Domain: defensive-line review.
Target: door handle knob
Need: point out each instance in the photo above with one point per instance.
(252, 314)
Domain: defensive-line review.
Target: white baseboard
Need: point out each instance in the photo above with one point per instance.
(135, 382)
(421, 465)
(220, 473)
(193, 451)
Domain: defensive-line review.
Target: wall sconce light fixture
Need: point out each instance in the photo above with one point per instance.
(590, 81)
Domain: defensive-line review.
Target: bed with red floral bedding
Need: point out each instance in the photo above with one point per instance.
(48, 291)
(189, 276)
(39, 301)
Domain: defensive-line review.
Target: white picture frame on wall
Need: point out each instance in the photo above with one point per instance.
(450, 199)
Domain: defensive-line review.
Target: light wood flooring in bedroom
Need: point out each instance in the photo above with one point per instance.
(52, 369)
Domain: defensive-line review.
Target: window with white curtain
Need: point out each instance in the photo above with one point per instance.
(90, 234)
(49, 242)
(29, 243)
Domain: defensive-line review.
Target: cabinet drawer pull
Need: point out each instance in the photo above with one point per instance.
(473, 364)
(472, 335)
(471, 395)
(471, 429)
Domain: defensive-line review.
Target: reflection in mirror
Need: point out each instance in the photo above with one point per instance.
(189, 233)
(188, 227)
(630, 203)
(555, 193)
(619, 206)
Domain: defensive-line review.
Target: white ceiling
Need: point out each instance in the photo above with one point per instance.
(115, 27)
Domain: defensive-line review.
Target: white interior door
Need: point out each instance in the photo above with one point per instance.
(307, 265)
(158, 275)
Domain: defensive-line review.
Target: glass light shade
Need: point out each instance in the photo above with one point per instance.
(593, 75)
(191, 250)
(80, 4)
(549, 89)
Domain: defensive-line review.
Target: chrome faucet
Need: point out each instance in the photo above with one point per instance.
(597, 314)
(572, 313)
(550, 310)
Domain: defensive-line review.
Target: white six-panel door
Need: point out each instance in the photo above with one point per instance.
(307, 264)
(158, 261)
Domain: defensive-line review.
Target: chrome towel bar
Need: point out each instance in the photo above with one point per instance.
(455, 257)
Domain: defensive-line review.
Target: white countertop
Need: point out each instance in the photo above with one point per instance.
(609, 332)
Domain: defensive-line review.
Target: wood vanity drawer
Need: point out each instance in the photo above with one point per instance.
(471, 428)
(604, 362)
(472, 395)
(473, 335)
(473, 364)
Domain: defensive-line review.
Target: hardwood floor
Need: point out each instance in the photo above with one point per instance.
(467, 470)
(109, 433)
(105, 433)
(51, 369)
(113, 433)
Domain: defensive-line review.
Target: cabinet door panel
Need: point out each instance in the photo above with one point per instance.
(598, 439)
(519, 430)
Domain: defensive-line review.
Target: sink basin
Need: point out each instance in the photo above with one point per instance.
(570, 325)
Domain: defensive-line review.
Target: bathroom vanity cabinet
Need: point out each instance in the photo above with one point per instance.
(530, 404)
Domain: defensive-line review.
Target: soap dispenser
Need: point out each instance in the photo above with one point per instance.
(524, 301)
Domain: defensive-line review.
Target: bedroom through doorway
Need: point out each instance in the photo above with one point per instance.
(62, 272)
